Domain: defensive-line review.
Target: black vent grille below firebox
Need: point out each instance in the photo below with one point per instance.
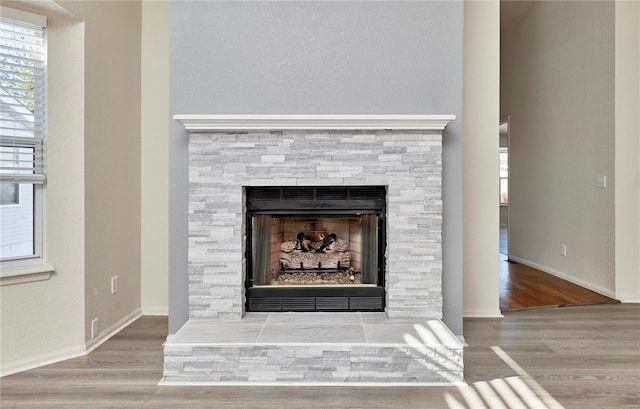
(265, 304)
(298, 303)
(316, 303)
(366, 303)
(332, 303)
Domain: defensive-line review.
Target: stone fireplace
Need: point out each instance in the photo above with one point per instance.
(353, 203)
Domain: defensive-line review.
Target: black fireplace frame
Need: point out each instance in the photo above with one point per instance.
(317, 202)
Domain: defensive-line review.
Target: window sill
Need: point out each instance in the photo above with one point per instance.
(22, 275)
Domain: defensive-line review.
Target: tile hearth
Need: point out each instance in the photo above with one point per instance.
(314, 348)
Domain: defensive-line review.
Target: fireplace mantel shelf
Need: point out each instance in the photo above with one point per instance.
(216, 123)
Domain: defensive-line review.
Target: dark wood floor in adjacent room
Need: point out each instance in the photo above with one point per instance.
(575, 357)
(522, 287)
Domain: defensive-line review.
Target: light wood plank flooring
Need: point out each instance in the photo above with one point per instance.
(582, 357)
(523, 287)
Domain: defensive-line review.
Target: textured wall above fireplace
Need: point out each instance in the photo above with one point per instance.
(227, 153)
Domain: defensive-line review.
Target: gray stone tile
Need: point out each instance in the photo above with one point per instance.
(203, 331)
(387, 333)
(254, 318)
(310, 333)
(329, 319)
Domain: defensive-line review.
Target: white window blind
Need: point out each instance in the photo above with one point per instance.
(22, 101)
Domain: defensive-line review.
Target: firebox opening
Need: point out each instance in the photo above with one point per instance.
(314, 248)
(315, 251)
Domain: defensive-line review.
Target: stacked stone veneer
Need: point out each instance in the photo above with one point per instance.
(407, 162)
(313, 363)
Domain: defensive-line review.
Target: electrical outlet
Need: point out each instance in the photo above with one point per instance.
(563, 249)
(114, 284)
(601, 181)
(94, 328)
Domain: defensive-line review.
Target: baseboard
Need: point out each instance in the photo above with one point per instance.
(482, 314)
(112, 330)
(564, 276)
(630, 297)
(42, 360)
(71, 352)
(163, 311)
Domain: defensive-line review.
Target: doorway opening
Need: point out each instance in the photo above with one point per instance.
(522, 286)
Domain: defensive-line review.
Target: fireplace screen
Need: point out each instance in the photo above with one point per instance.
(315, 251)
(315, 245)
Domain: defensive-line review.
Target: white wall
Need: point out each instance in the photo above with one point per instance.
(93, 187)
(627, 151)
(42, 322)
(481, 159)
(557, 86)
(112, 161)
(154, 156)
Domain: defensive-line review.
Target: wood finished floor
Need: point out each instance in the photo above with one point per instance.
(584, 357)
(523, 287)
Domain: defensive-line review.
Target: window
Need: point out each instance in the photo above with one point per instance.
(504, 176)
(22, 136)
(9, 194)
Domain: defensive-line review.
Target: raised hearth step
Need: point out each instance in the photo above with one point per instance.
(314, 348)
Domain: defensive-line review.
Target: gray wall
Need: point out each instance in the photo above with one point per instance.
(316, 58)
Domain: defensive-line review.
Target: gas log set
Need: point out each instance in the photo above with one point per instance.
(316, 258)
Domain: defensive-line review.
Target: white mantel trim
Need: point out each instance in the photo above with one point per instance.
(214, 123)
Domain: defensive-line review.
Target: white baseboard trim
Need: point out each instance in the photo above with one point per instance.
(482, 314)
(113, 329)
(163, 311)
(48, 358)
(564, 276)
(71, 352)
(628, 297)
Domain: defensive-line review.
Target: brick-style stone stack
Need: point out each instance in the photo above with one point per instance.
(314, 364)
(409, 163)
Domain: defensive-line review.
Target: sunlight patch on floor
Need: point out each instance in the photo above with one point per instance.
(513, 392)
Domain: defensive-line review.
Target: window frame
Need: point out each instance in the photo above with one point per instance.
(32, 267)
